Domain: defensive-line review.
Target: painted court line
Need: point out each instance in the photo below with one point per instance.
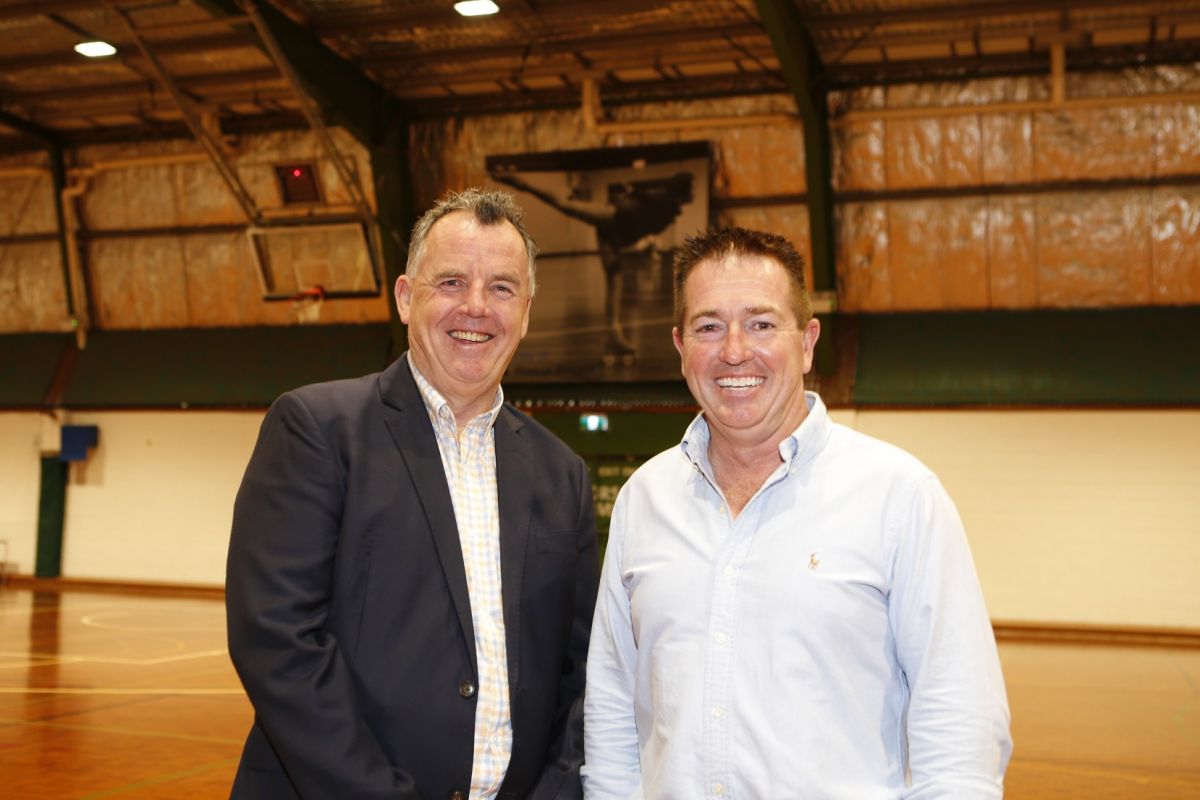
(48, 659)
(100, 690)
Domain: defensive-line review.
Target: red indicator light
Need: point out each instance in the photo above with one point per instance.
(297, 172)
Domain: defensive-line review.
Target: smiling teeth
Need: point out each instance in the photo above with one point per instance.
(738, 383)
(470, 336)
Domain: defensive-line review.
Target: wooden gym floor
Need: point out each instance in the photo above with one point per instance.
(123, 696)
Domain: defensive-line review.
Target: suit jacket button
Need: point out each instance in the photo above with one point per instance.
(467, 690)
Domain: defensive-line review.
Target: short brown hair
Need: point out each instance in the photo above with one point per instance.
(724, 243)
(488, 207)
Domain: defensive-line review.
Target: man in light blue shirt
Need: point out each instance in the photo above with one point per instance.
(788, 608)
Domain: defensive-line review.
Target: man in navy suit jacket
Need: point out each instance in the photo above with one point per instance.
(402, 634)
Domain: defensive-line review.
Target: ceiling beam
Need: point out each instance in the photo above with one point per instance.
(639, 42)
(571, 68)
(804, 74)
(338, 22)
(240, 83)
(976, 10)
(170, 47)
(45, 136)
(37, 8)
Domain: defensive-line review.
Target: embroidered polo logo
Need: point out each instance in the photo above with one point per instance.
(813, 561)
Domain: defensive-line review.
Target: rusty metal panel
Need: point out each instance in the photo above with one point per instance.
(933, 152)
(223, 290)
(221, 284)
(1094, 143)
(32, 295)
(1094, 249)
(863, 255)
(179, 191)
(26, 202)
(1177, 139)
(1007, 148)
(1175, 249)
(1011, 237)
(761, 161)
(790, 221)
(139, 283)
(938, 255)
(137, 197)
(858, 157)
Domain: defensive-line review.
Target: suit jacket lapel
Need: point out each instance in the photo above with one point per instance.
(408, 421)
(514, 496)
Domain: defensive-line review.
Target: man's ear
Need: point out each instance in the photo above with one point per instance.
(403, 293)
(812, 332)
(678, 339)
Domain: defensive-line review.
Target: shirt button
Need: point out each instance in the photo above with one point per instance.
(721, 638)
(721, 510)
(728, 569)
(466, 689)
(718, 788)
(718, 713)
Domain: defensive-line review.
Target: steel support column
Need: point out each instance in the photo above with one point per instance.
(802, 70)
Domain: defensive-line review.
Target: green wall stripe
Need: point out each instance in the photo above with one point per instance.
(1139, 356)
(27, 365)
(192, 368)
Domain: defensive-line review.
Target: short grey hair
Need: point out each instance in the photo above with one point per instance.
(489, 207)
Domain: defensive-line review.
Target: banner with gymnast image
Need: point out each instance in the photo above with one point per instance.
(607, 222)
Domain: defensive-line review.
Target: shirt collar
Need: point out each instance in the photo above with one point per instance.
(799, 447)
(439, 409)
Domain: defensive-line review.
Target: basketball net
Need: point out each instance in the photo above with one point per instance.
(306, 305)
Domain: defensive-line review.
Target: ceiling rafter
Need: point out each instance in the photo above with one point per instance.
(537, 54)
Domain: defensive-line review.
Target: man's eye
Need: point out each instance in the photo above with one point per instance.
(451, 283)
(707, 327)
(762, 325)
(503, 288)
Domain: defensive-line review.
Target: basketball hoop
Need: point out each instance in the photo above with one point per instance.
(306, 304)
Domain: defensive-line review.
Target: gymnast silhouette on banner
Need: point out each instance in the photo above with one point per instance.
(637, 215)
(634, 213)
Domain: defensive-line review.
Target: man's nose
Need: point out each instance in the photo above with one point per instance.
(476, 299)
(734, 349)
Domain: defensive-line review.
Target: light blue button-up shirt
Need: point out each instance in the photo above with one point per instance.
(831, 641)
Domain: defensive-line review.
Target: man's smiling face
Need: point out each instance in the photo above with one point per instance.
(467, 308)
(743, 351)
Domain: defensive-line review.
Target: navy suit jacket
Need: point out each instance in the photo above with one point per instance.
(349, 620)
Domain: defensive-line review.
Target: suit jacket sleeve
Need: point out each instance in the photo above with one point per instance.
(278, 592)
(560, 778)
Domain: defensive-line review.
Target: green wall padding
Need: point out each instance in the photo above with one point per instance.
(52, 503)
(1143, 356)
(27, 365)
(219, 366)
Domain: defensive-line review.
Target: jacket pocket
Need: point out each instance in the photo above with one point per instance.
(555, 542)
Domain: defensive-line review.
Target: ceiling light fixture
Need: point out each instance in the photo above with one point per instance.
(95, 49)
(476, 8)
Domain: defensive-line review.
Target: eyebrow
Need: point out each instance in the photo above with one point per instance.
(750, 311)
(508, 276)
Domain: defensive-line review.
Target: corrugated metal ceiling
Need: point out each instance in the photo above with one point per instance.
(536, 53)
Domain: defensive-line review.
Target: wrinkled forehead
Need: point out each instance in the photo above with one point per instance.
(731, 269)
(737, 285)
(462, 231)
